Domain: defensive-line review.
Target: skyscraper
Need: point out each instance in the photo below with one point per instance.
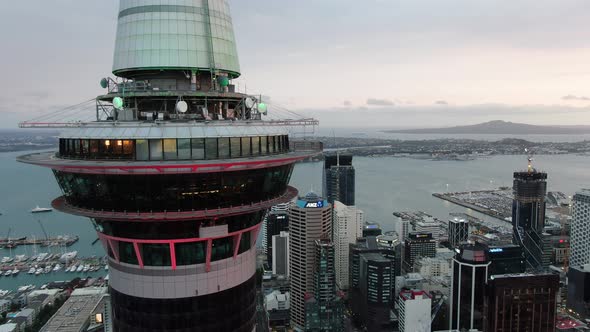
(176, 172)
(418, 245)
(324, 311)
(280, 254)
(521, 302)
(506, 259)
(578, 290)
(276, 221)
(458, 231)
(528, 214)
(470, 274)
(580, 229)
(414, 311)
(348, 223)
(376, 287)
(402, 228)
(310, 219)
(339, 179)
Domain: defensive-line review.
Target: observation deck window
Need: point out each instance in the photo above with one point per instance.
(156, 254)
(172, 149)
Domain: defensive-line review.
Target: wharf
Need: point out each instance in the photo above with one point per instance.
(482, 203)
(59, 241)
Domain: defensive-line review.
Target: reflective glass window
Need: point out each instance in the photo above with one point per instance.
(190, 253)
(198, 148)
(156, 254)
(223, 144)
(94, 147)
(184, 149)
(142, 151)
(271, 144)
(236, 150)
(255, 146)
(246, 147)
(128, 149)
(170, 149)
(264, 145)
(222, 249)
(127, 253)
(155, 149)
(211, 148)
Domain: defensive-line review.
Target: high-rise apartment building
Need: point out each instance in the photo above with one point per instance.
(414, 311)
(580, 229)
(280, 254)
(176, 171)
(578, 290)
(347, 227)
(276, 221)
(521, 302)
(339, 179)
(458, 231)
(470, 274)
(417, 245)
(310, 219)
(528, 215)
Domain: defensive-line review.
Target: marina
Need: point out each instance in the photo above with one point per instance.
(58, 241)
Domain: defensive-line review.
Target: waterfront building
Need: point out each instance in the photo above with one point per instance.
(521, 302)
(506, 259)
(310, 220)
(458, 231)
(347, 225)
(177, 171)
(578, 289)
(414, 311)
(418, 245)
(339, 179)
(470, 274)
(402, 228)
(324, 311)
(528, 215)
(280, 254)
(580, 229)
(371, 228)
(376, 288)
(428, 225)
(276, 221)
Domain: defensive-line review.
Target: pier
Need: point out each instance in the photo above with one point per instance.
(59, 241)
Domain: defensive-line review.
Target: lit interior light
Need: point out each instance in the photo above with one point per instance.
(107, 142)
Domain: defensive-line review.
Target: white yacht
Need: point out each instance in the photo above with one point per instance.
(8, 273)
(6, 260)
(32, 270)
(15, 272)
(57, 267)
(40, 209)
(68, 256)
(80, 268)
(38, 271)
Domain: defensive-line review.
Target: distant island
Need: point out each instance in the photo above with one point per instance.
(499, 127)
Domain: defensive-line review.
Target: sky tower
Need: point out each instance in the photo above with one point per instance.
(176, 170)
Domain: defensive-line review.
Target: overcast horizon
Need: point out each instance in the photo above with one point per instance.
(375, 63)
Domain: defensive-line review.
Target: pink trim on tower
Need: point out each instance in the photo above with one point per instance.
(237, 236)
(138, 254)
(76, 166)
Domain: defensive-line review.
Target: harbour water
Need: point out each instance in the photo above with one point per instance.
(383, 185)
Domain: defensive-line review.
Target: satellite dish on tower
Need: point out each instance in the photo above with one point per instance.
(181, 106)
(249, 102)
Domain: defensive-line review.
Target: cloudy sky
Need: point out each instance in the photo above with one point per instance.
(377, 63)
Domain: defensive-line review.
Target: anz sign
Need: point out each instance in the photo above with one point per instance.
(318, 204)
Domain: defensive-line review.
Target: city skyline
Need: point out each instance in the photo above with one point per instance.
(458, 63)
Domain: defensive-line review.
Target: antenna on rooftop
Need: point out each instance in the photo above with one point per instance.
(529, 153)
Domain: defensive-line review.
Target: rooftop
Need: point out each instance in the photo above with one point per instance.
(75, 312)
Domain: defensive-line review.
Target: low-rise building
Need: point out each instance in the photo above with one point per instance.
(277, 306)
(9, 327)
(414, 311)
(85, 307)
(4, 306)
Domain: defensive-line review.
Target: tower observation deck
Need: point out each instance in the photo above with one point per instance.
(176, 170)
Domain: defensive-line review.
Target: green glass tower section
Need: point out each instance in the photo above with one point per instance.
(172, 35)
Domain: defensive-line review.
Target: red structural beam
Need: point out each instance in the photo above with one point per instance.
(60, 204)
(237, 236)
